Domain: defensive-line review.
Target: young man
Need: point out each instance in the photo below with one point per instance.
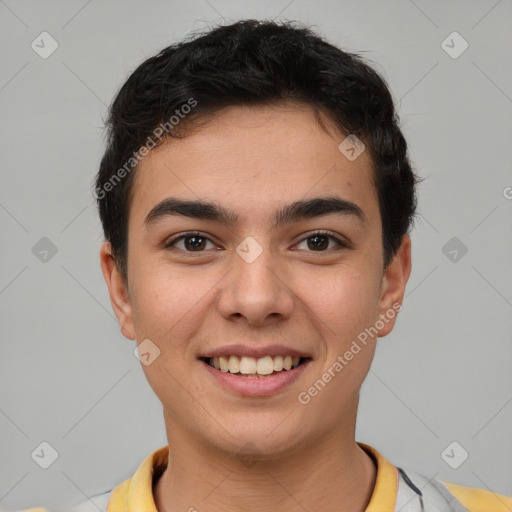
(256, 198)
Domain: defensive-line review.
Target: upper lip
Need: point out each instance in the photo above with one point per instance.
(256, 352)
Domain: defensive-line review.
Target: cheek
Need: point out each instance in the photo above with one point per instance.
(160, 300)
(345, 300)
(169, 307)
(165, 307)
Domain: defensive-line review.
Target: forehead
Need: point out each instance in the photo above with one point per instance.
(255, 158)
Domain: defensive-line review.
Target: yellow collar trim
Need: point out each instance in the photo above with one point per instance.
(136, 493)
(384, 494)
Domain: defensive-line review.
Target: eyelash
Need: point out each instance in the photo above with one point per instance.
(190, 234)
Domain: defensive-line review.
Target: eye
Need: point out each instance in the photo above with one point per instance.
(194, 241)
(320, 241)
(190, 242)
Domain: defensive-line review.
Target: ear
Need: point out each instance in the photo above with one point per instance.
(118, 291)
(393, 286)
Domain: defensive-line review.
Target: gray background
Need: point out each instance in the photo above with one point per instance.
(68, 376)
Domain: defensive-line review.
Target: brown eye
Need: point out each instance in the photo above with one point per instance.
(190, 242)
(320, 242)
(194, 243)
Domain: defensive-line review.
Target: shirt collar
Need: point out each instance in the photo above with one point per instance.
(136, 494)
(384, 494)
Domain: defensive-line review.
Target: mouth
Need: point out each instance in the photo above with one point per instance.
(255, 368)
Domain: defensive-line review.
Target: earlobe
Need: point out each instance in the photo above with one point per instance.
(393, 286)
(117, 290)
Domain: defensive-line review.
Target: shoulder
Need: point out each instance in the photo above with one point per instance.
(37, 509)
(96, 503)
(436, 495)
(480, 500)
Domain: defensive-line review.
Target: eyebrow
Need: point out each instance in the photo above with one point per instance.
(298, 210)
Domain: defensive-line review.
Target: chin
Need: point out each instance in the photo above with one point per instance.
(265, 439)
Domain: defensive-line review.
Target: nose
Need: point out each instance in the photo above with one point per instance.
(256, 291)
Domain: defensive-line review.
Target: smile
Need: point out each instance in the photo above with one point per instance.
(255, 376)
(252, 367)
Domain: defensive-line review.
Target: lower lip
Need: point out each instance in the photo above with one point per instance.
(263, 386)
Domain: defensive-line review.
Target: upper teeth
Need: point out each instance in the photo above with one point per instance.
(250, 365)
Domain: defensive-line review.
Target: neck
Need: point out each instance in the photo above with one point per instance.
(334, 474)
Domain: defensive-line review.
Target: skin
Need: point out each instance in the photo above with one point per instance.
(254, 161)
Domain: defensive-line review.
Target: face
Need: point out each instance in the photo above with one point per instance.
(255, 239)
